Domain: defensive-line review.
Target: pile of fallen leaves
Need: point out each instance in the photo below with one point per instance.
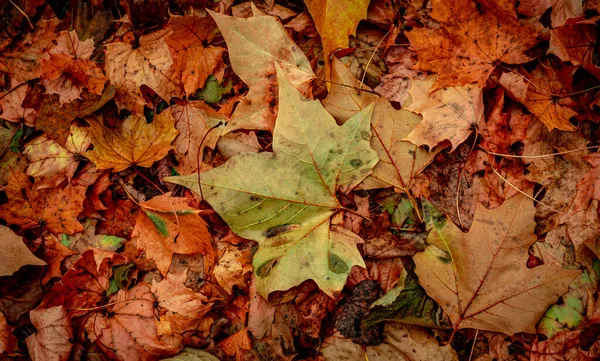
(299, 180)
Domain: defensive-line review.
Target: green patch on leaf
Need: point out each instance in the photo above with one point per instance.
(159, 223)
(120, 278)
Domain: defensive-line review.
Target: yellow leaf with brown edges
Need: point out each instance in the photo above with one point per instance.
(134, 142)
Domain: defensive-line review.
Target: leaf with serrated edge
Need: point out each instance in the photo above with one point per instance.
(399, 159)
(284, 200)
(481, 279)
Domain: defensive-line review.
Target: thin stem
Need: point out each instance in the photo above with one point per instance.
(25, 15)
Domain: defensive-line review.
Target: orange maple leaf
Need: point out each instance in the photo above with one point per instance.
(470, 44)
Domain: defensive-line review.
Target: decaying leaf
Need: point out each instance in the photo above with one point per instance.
(284, 200)
(168, 225)
(53, 339)
(135, 142)
(448, 114)
(481, 279)
(470, 43)
(562, 10)
(399, 159)
(258, 109)
(13, 253)
(150, 64)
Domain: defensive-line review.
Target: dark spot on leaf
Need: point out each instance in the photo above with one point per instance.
(365, 135)
(254, 198)
(337, 265)
(356, 163)
(264, 269)
(277, 230)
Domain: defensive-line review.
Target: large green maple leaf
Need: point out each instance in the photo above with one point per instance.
(285, 200)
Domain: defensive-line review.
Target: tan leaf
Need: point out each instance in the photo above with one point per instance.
(14, 253)
(336, 21)
(399, 160)
(481, 279)
(7, 340)
(134, 142)
(52, 340)
(237, 344)
(258, 109)
(11, 105)
(194, 120)
(50, 163)
(54, 209)
(194, 57)
(448, 114)
(168, 225)
(562, 10)
(127, 330)
(149, 64)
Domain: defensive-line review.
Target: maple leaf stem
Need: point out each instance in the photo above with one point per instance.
(362, 80)
(354, 212)
(460, 174)
(199, 158)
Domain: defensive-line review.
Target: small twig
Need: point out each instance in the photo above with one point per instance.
(25, 15)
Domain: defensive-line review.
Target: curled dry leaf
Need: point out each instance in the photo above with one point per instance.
(345, 15)
(52, 340)
(448, 114)
(399, 159)
(284, 200)
(150, 64)
(562, 10)
(195, 58)
(67, 68)
(469, 44)
(50, 163)
(127, 330)
(481, 279)
(258, 109)
(135, 142)
(53, 209)
(168, 225)
(14, 253)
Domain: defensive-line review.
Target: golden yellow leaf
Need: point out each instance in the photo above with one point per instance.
(134, 143)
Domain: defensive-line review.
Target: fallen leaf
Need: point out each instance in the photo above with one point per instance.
(14, 254)
(134, 143)
(127, 330)
(54, 255)
(481, 279)
(192, 354)
(196, 124)
(562, 10)
(575, 44)
(195, 58)
(151, 64)
(7, 340)
(11, 105)
(345, 16)
(448, 114)
(233, 143)
(67, 68)
(547, 95)
(285, 202)
(53, 209)
(588, 187)
(50, 163)
(469, 44)
(237, 344)
(399, 160)
(52, 340)
(403, 343)
(168, 225)
(258, 109)
(24, 61)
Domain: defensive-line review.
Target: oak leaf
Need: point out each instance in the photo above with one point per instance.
(194, 120)
(562, 10)
(53, 209)
(336, 21)
(14, 253)
(150, 64)
(127, 330)
(135, 142)
(168, 225)
(195, 58)
(481, 279)
(50, 163)
(448, 114)
(469, 44)
(257, 110)
(52, 340)
(67, 68)
(284, 200)
(399, 160)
